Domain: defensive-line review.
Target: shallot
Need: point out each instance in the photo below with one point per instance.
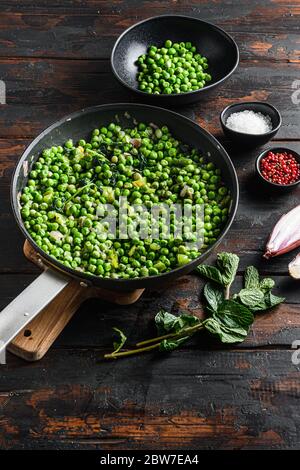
(285, 235)
(56, 235)
(294, 267)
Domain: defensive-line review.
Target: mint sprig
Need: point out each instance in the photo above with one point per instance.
(229, 318)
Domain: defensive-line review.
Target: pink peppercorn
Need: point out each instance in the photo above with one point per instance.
(281, 168)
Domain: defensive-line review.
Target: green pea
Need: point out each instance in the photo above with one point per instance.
(222, 191)
(65, 189)
(174, 68)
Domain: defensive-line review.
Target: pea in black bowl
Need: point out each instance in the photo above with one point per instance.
(212, 42)
(253, 140)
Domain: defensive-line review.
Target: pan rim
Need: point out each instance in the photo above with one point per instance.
(91, 278)
(184, 94)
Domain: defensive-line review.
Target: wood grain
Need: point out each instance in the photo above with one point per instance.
(54, 58)
(88, 29)
(39, 91)
(187, 400)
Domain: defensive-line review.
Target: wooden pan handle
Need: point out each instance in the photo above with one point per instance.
(29, 304)
(38, 336)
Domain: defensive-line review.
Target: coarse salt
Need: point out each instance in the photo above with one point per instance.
(249, 122)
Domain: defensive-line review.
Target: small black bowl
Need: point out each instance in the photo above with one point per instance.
(253, 140)
(269, 184)
(212, 42)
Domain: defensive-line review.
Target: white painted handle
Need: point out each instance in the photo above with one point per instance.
(29, 304)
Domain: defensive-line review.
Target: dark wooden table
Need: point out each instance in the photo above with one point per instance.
(54, 59)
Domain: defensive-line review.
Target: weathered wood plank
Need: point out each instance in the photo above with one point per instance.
(199, 397)
(92, 326)
(187, 400)
(89, 29)
(39, 91)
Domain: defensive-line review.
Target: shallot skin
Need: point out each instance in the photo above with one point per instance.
(271, 254)
(285, 235)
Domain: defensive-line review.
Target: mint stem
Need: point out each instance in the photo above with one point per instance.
(91, 183)
(131, 352)
(185, 332)
(227, 292)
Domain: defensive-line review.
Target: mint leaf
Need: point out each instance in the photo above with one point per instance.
(164, 322)
(168, 345)
(267, 284)
(270, 300)
(211, 273)
(225, 334)
(251, 278)
(228, 264)
(273, 300)
(233, 314)
(120, 341)
(231, 322)
(257, 294)
(168, 323)
(214, 295)
(225, 272)
(185, 321)
(251, 297)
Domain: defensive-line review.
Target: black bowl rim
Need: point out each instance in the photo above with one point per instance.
(89, 278)
(187, 93)
(276, 149)
(244, 134)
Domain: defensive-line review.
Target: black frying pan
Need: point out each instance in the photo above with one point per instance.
(79, 125)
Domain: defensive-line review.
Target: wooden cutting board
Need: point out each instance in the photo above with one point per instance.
(36, 338)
